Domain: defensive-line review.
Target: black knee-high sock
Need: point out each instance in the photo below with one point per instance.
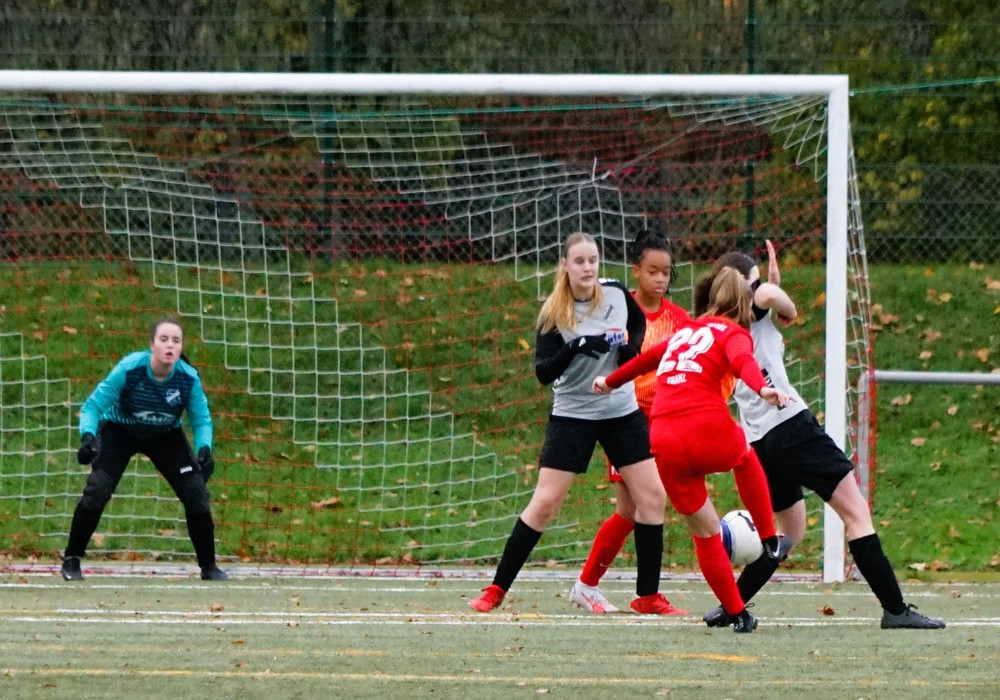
(755, 575)
(81, 530)
(201, 530)
(877, 570)
(648, 557)
(517, 550)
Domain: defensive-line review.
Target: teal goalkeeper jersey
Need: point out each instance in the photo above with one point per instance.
(131, 397)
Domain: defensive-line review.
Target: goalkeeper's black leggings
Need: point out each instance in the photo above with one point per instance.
(171, 455)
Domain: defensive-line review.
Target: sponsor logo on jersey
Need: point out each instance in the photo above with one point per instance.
(154, 417)
(615, 337)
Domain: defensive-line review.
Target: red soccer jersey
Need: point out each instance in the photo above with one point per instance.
(694, 365)
(660, 325)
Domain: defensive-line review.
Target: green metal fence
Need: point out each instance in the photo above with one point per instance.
(925, 116)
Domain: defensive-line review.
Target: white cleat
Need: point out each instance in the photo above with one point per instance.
(591, 599)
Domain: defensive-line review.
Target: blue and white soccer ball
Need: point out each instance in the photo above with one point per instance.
(740, 538)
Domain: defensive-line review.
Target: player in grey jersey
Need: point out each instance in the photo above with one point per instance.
(797, 453)
(586, 328)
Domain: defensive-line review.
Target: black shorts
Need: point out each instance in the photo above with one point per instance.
(570, 442)
(799, 454)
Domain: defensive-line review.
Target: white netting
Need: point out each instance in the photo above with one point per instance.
(363, 273)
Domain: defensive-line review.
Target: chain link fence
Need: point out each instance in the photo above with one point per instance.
(926, 154)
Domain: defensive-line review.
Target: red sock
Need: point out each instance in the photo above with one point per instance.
(718, 572)
(608, 541)
(756, 496)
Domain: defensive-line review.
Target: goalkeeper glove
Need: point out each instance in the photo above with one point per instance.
(88, 449)
(206, 462)
(591, 345)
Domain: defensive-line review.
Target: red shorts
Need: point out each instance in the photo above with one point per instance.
(689, 447)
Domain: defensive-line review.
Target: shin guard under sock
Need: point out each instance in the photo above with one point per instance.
(877, 570)
(718, 571)
(517, 550)
(648, 558)
(608, 542)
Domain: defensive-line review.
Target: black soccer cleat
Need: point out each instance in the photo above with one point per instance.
(910, 619)
(744, 623)
(214, 573)
(777, 548)
(71, 569)
(717, 617)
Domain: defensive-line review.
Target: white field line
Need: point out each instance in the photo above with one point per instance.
(95, 616)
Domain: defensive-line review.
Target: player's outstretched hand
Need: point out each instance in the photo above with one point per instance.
(775, 397)
(88, 449)
(773, 272)
(601, 386)
(206, 462)
(591, 345)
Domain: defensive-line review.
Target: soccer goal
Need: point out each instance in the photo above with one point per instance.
(358, 261)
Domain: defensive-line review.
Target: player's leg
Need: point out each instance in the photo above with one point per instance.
(751, 484)
(821, 466)
(550, 492)
(791, 523)
(569, 445)
(643, 482)
(712, 558)
(783, 499)
(608, 542)
(870, 558)
(116, 449)
(626, 441)
(172, 456)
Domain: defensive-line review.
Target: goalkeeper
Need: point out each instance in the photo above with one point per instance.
(797, 453)
(137, 410)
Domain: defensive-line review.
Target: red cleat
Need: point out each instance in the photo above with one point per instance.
(490, 599)
(655, 604)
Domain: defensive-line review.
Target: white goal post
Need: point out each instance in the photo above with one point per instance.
(722, 94)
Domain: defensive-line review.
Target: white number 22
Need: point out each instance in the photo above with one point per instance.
(685, 345)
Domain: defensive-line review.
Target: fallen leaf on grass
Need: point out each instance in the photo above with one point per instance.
(332, 502)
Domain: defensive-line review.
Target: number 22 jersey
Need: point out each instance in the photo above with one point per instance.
(694, 364)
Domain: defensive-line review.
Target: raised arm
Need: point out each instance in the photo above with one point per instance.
(770, 296)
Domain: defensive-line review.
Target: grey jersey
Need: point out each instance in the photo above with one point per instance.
(756, 416)
(618, 318)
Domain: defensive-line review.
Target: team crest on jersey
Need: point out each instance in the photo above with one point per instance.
(173, 397)
(609, 312)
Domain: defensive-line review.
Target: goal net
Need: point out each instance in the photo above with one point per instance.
(358, 262)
